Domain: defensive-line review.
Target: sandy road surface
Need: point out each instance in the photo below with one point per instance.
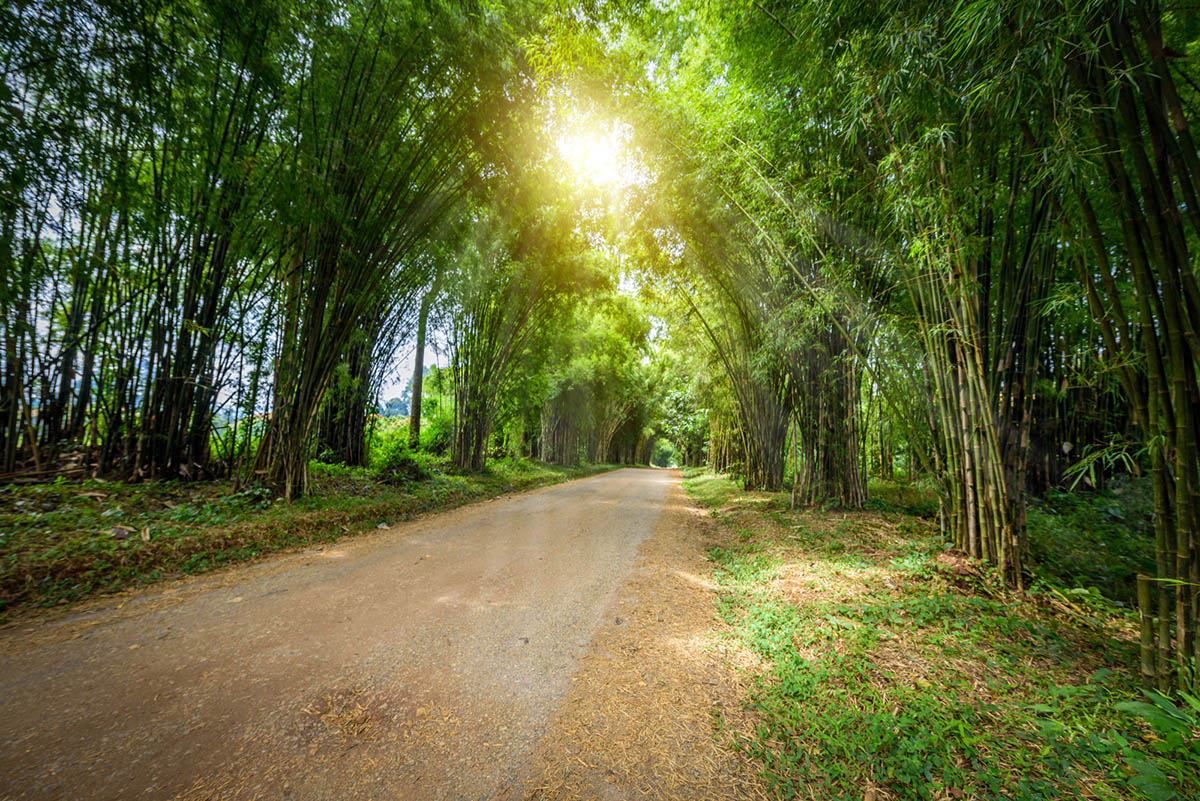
(422, 662)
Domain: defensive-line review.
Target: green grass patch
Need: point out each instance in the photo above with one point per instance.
(710, 490)
(883, 672)
(66, 541)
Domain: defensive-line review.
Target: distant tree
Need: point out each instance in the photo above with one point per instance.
(396, 407)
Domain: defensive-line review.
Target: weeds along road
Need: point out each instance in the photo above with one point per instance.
(419, 662)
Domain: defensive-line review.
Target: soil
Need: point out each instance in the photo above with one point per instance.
(555, 644)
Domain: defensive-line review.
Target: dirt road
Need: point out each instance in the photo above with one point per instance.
(420, 662)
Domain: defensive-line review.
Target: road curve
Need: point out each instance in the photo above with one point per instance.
(421, 662)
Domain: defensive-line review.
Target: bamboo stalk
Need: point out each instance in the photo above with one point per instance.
(1145, 601)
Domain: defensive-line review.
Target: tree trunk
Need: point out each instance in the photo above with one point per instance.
(418, 376)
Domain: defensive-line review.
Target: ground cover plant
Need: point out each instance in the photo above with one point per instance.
(889, 666)
(65, 540)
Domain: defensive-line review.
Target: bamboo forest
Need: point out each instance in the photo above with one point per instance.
(540, 399)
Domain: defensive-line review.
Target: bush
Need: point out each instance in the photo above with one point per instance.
(397, 464)
(436, 435)
(384, 432)
(1095, 539)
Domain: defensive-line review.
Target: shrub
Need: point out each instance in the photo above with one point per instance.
(437, 434)
(397, 465)
(1095, 539)
(386, 431)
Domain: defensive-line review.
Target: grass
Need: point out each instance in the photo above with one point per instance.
(884, 667)
(66, 541)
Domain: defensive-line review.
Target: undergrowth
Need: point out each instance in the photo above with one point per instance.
(1098, 540)
(886, 675)
(66, 541)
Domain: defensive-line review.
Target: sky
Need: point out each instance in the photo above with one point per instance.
(400, 373)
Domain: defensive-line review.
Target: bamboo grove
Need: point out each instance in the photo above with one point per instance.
(978, 220)
(219, 221)
(956, 241)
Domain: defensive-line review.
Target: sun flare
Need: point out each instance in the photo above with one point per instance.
(598, 156)
(595, 157)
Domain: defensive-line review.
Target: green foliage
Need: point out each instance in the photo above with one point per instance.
(1177, 746)
(436, 434)
(397, 465)
(437, 413)
(912, 498)
(385, 432)
(393, 462)
(874, 218)
(878, 673)
(664, 454)
(1095, 539)
(599, 391)
(396, 407)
